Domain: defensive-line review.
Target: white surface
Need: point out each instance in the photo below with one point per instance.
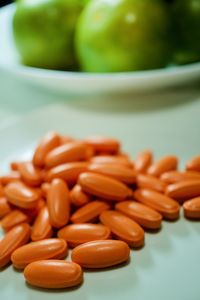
(167, 268)
(78, 83)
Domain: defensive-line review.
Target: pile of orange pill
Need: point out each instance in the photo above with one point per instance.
(90, 196)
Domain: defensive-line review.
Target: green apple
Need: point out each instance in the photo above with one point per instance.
(44, 32)
(123, 35)
(187, 30)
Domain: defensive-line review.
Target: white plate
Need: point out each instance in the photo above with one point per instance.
(78, 83)
(167, 268)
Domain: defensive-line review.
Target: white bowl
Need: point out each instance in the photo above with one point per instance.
(87, 83)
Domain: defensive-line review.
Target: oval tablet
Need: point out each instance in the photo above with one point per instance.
(89, 212)
(77, 234)
(45, 249)
(15, 217)
(70, 152)
(58, 203)
(68, 172)
(194, 164)
(4, 207)
(78, 197)
(192, 208)
(20, 195)
(176, 176)
(118, 172)
(101, 254)
(150, 182)
(53, 274)
(143, 161)
(12, 176)
(164, 164)
(42, 228)
(50, 141)
(111, 159)
(123, 228)
(103, 144)
(104, 187)
(29, 174)
(184, 190)
(166, 206)
(140, 213)
(16, 237)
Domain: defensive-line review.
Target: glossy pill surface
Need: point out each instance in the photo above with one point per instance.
(193, 164)
(68, 172)
(58, 203)
(150, 182)
(20, 195)
(192, 208)
(89, 212)
(48, 143)
(29, 174)
(53, 274)
(110, 159)
(77, 234)
(15, 217)
(4, 207)
(166, 206)
(104, 187)
(78, 197)
(176, 176)
(16, 237)
(41, 228)
(143, 161)
(123, 228)
(140, 213)
(184, 190)
(12, 176)
(164, 164)
(70, 152)
(45, 249)
(118, 172)
(103, 144)
(101, 254)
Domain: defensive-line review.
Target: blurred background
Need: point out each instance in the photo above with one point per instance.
(4, 2)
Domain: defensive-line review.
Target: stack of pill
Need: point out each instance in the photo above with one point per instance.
(89, 196)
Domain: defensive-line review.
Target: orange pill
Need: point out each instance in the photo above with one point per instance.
(68, 172)
(192, 208)
(29, 174)
(33, 212)
(105, 144)
(45, 249)
(151, 182)
(165, 164)
(140, 213)
(12, 176)
(58, 203)
(4, 207)
(70, 152)
(193, 164)
(53, 274)
(143, 161)
(123, 228)
(44, 188)
(89, 212)
(1, 190)
(42, 228)
(104, 187)
(16, 237)
(77, 234)
(15, 217)
(166, 206)
(48, 143)
(65, 139)
(20, 195)
(176, 176)
(78, 197)
(118, 172)
(110, 159)
(101, 254)
(184, 190)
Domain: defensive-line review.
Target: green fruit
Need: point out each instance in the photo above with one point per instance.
(187, 30)
(123, 35)
(44, 32)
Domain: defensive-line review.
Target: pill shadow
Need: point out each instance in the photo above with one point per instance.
(195, 224)
(144, 259)
(98, 270)
(55, 291)
(180, 230)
